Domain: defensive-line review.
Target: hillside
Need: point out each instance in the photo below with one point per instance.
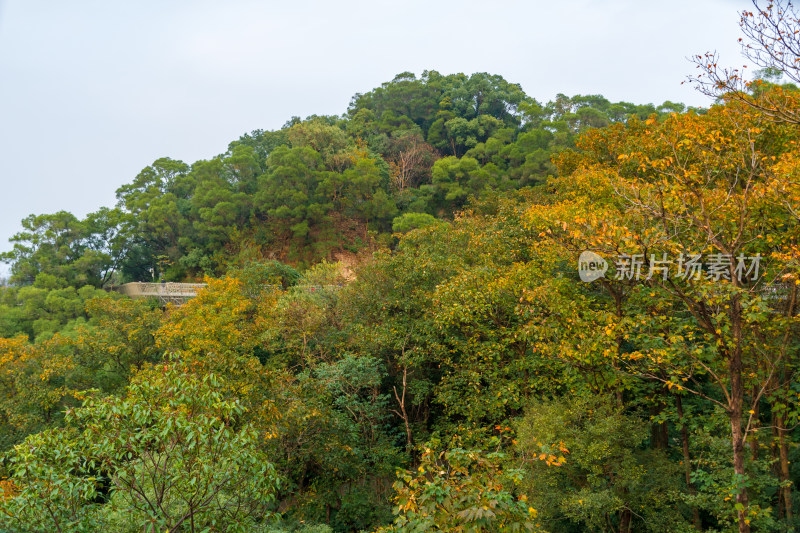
(404, 154)
(451, 308)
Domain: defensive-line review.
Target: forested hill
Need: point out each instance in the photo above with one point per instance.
(403, 154)
(563, 317)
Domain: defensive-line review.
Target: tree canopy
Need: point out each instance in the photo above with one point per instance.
(451, 308)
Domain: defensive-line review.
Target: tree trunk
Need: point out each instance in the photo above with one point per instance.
(780, 424)
(659, 434)
(776, 463)
(625, 521)
(753, 437)
(783, 453)
(737, 435)
(687, 467)
(401, 402)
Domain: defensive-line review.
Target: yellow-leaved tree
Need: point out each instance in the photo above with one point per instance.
(696, 216)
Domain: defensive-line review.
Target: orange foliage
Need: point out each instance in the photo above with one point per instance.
(7, 489)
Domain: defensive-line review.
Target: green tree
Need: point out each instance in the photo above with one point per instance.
(608, 477)
(461, 490)
(411, 221)
(171, 451)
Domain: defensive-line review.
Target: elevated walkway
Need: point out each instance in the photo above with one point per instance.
(180, 293)
(166, 293)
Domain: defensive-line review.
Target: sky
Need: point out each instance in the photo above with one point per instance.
(91, 92)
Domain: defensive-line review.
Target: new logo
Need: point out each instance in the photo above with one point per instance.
(591, 266)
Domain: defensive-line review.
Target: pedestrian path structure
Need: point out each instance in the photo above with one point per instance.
(165, 293)
(180, 293)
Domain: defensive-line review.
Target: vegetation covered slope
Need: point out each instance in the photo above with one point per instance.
(403, 153)
(458, 376)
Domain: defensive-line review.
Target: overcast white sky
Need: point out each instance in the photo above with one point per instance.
(91, 92)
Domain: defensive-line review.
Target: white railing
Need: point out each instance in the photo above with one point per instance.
(175, 293)
(179, 293)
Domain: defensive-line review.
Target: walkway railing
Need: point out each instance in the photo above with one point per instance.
(180, 293)
(166, 293)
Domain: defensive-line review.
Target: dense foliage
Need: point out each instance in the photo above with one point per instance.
(395, 335)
